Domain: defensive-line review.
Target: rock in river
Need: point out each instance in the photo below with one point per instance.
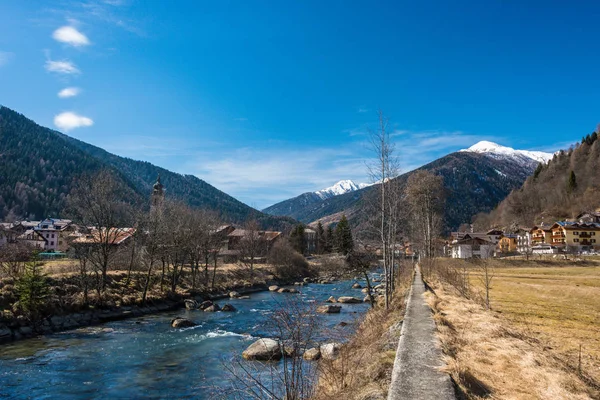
(234, 294)
(228, 308)
(191, 304)
(205, 304)
(329, 309)
(331, 299)
(312, 354)
(273, 288)
(180, 322)
(330, 351)
(263, 350)
(356, 286)
(214, 308)
(349, 300)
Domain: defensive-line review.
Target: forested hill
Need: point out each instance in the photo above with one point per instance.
(568, 185)
(474, 183)
(38, 167)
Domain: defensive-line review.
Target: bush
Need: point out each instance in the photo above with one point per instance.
(288, 263)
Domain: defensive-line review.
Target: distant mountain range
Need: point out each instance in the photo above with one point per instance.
(476, 180)
(39, 166)
(296, 205)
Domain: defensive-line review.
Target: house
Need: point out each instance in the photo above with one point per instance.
(476, 246)
(33, 238)
(236, 237)
(310, 235)
(582, 236)
(523, 240)
(111, 236)
(495, 235)
(589, 217)
(508, 243)
(541, 234)
(55, 231)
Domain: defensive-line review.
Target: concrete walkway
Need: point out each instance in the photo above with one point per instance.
(416, 375)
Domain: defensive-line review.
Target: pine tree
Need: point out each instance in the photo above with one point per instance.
(572, 183)
(538, 170)
(298, 239)
(320, 238)
(343, 236)
(32, 289)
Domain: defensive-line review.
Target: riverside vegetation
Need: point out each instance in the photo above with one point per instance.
(538, 339)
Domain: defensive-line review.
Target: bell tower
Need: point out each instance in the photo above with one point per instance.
(158, 193)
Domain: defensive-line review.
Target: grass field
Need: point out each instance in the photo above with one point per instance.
(528, 345)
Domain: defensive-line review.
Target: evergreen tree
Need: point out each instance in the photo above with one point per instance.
(32, 289)
(343, 236)
(572, 184)
(298, 239)
(320, 238)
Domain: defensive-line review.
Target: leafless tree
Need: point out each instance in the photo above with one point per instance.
(96, 203)
(383, 171)
(152, 241)
(425, 197)
(487, 273)
(252, 245)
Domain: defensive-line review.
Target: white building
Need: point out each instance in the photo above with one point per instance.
(55, 231)
(473, 247)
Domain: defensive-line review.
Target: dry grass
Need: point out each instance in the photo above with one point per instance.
(527, 346)
(363, 369)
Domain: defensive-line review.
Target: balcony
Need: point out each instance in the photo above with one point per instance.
(585, 235)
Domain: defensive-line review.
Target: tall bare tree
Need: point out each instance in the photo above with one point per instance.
(96, 203)
(425, 196)
(252, 245)
(383, 171)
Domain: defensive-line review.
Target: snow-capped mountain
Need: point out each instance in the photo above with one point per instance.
(341, 187)
(502, 152)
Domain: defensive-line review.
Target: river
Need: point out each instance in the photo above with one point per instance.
(145, 358)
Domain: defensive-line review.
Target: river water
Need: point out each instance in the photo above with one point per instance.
(145, 358)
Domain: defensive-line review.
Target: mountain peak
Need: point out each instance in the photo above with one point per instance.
(498, 151)
(341, 187)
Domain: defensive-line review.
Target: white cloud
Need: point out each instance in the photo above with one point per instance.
(69, 92)
(69, 120)
(5, 57)
(62, 67)
(71, 36)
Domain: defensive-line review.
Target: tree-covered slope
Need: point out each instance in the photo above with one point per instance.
(568, 185)
(39, 165)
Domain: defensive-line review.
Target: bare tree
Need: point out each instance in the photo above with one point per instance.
(96, 203)
(382, 171)
(252, 245)
(425, 197)
(152, 240)
(487, 273)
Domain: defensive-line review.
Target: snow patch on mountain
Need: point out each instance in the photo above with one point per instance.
(342, 187)
(498, 151)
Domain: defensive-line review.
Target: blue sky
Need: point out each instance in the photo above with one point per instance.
(269, 99)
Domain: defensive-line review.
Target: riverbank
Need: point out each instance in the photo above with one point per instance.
(363, 369)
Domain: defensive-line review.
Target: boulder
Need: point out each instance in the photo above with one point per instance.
(312, 354)
(365, 290)
(349, 300)
(298, 283)
(228, 308)
(190, 304)
(367, 299)
(330, 351)
(329, 309)
(214, 308)
(263, 350)
(273, 288)
(292, 290)
(205, 304)
(356, 286)
(180, 322)
(306, 280)
(331, 299)
(283, 290)
(234, 294)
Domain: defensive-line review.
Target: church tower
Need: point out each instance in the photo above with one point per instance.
(158, 193)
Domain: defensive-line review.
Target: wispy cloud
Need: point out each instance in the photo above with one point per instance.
(70, 120)
(71, 36)
(69, 92)
(5, 57)
(65, 67)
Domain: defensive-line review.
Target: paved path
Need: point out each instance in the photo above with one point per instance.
(415, 375)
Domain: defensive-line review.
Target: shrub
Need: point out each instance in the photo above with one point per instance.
(288, 263)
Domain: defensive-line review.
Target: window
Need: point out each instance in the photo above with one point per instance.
(593, 240)
(576, 233)
(44, 226)
(47, 235)
(51, 243)
(576, 240)
(53, 236)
